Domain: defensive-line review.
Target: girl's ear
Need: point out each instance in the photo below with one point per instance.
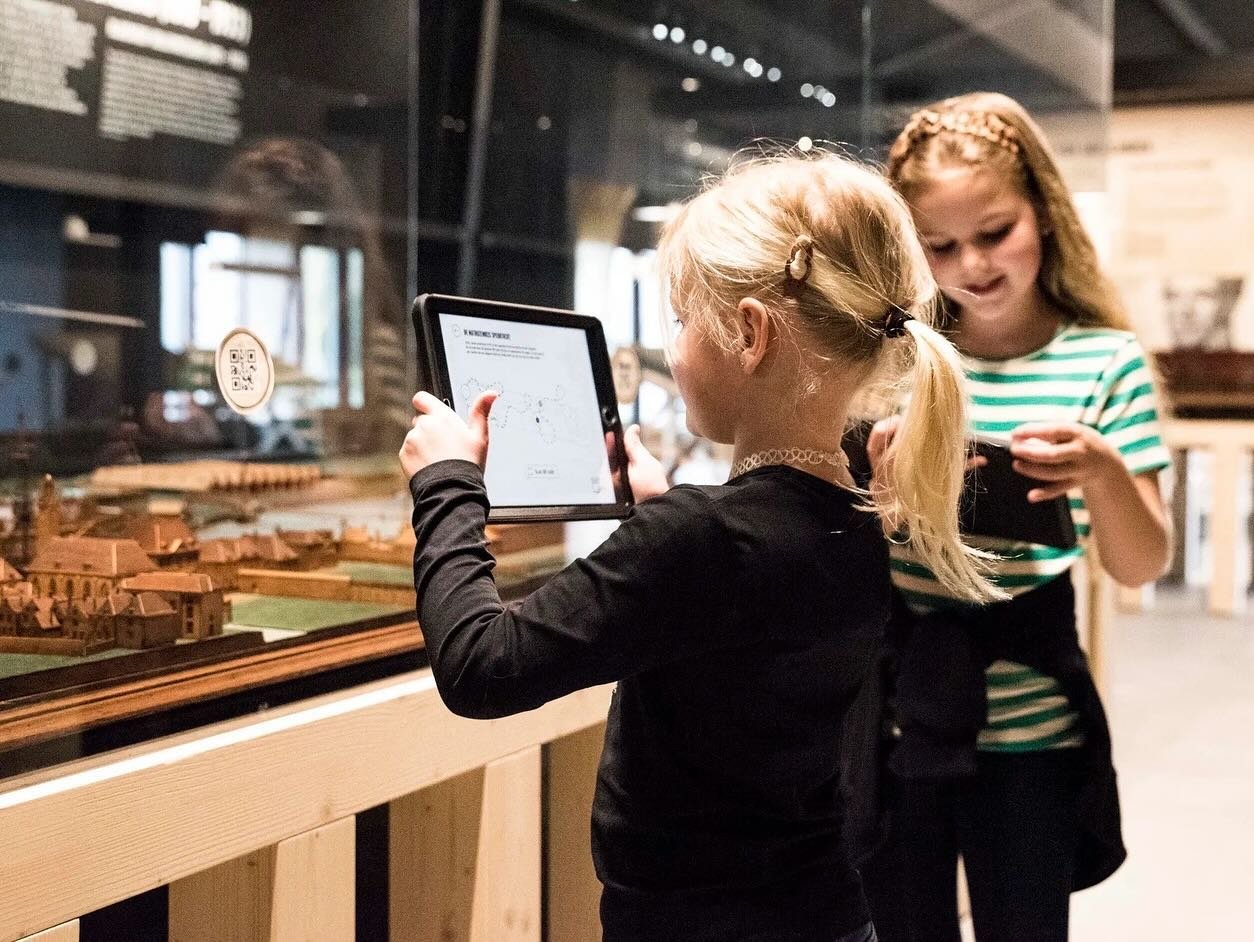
(755, 333)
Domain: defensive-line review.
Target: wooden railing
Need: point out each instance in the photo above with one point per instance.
(251, 823)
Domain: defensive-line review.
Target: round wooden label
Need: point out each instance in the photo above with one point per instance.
(245, 371)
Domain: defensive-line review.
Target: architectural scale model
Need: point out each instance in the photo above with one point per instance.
(99, 578)
(205, 476)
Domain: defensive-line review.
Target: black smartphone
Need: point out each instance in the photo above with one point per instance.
(995, 503)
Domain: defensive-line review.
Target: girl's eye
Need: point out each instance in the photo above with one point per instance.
(941, 248)
(677, 323)
(992, 238)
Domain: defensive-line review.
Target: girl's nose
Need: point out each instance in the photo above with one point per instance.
(972, 258)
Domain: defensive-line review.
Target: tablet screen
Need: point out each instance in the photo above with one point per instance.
(547, 441)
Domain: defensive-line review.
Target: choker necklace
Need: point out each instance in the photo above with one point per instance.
(789, 456)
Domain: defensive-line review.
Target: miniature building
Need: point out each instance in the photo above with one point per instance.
(357, 545)
(144, 620)
(83, 566)
(167, 539)
(220, 560)
(47, 514)
(270, 550)
(206, 476)
(38, 624)
(223, 558)
(192, 595)
(80, 619)
(314, 548)
(8, 575)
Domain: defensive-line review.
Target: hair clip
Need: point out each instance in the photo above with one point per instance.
(800, 260)
(895, 322)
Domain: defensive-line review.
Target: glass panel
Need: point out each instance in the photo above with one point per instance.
(171, 172)
(597, 116)
(165, 180)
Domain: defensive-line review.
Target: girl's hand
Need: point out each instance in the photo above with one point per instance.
(439, 434)
(1066, 455)
(644, 472)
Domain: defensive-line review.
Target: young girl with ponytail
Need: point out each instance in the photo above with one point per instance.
(740, 619)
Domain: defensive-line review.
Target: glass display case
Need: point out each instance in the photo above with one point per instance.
(213, 217)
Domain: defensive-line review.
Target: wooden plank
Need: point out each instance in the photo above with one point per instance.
(1226, 596)
(1207, 433)
(507, 885)
(433, 847)
(139, 818)
(572, 910)
(465, 857)
(302, 890)
(66, 932)
(24, 723)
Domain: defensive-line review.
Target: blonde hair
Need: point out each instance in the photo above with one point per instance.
(829, 248)
(987, 130)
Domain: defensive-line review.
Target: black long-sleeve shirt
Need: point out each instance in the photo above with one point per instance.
(739, 621)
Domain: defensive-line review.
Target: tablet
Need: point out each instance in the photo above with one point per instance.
(555, 446)
(995, 503)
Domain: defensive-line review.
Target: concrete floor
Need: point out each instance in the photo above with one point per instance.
(1180, 694)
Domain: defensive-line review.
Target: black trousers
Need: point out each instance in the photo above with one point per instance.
(1016, 826)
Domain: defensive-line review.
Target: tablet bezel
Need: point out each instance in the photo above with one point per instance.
(426, 317)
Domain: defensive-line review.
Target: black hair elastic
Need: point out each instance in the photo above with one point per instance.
(895, 322)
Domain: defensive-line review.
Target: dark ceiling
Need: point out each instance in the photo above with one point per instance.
(1164, 50)
(872, 61)
(1183, 50)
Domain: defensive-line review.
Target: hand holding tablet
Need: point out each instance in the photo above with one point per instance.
(555, 448)
(444, 436)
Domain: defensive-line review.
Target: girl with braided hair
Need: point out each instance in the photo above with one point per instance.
(1003, 753)
(739, 620)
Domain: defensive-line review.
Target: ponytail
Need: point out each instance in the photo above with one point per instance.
(920, 478)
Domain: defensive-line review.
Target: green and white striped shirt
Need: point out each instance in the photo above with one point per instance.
(1096, 376)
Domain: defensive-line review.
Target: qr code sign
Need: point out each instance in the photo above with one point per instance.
(243, 370)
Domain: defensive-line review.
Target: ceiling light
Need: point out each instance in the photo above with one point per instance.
(690, 84)
(677, 34)
(699, 46)
(660, 31)
(774, 74)
(804, 143)
(807, 90)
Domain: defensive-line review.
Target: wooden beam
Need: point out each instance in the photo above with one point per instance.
(300, 890)
(465, 857)
(66, 932)
(572, 910)
(139, 818)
